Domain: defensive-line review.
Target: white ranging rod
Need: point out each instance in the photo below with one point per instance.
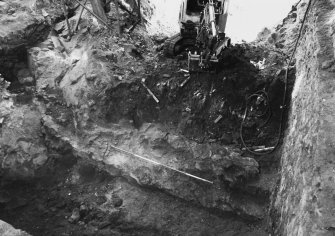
(160, 164)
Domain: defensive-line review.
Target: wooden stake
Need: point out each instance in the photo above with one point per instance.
(80, 15)
(96, 16)
(99, 10)
(66, 18)
(124, 8)
(118, 17)
(133, 26)
(55, 40)
(139, 10)
(185, 82)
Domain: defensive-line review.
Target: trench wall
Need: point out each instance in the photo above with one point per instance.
(306, 197)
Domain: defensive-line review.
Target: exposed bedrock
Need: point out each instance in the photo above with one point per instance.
(219, 164)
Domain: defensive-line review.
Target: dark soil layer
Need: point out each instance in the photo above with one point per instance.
(71, 197)
(52, 205)
(193, 109)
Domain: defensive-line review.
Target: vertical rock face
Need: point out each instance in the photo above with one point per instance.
(305, 200)
(21, 147)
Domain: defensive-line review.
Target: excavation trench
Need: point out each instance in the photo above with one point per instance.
(60, 174)
(85, 187)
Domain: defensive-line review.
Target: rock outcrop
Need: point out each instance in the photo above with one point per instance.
(22, 148)
(8, 230)
(22, 25)
(218, 164)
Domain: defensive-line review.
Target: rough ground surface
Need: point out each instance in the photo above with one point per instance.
(64, 111)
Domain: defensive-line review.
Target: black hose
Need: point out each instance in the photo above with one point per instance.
(266, 112)
(281, 124)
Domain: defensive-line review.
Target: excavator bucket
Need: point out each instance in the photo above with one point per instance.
(202, 31)
(199, 63)
(207, 62)
(194, 61)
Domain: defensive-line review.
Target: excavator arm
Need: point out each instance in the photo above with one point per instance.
(211, 40)
(202, 33)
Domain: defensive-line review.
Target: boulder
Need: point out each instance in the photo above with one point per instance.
(8, 230)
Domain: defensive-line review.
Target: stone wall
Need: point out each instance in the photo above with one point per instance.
(306, 195)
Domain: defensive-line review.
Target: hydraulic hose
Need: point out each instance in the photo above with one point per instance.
(281, 124)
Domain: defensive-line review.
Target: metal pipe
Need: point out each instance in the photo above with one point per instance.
(160, 164)
(118, 17)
